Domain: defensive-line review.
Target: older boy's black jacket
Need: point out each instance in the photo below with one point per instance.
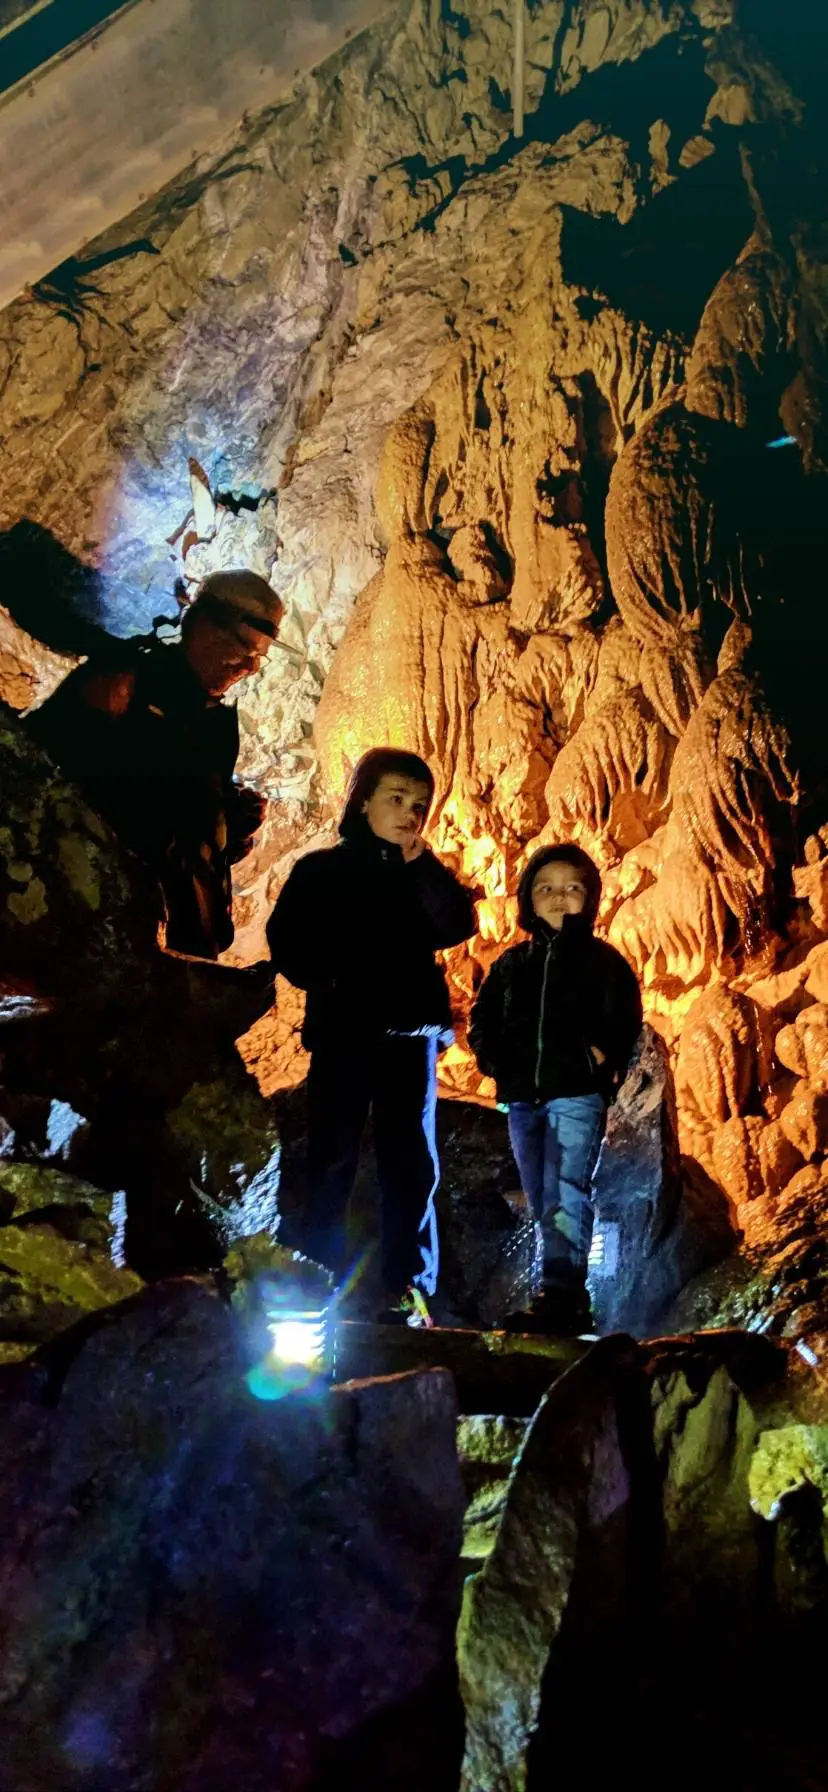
(542, 1006)
(357, 928)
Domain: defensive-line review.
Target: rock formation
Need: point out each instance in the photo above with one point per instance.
(118, 1062)
(61, 1255)
(531, 436)
(535, 454)
(197, 1586)
(662, 1518)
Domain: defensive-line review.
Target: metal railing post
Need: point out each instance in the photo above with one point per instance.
(519, 34)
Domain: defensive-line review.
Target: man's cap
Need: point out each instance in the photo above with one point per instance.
(238, 597)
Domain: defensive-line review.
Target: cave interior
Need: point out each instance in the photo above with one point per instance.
(495, 340)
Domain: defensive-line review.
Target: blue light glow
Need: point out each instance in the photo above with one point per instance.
(271, 1380)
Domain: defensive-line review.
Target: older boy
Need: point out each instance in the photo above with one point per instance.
(357, 926)
(554, 1024)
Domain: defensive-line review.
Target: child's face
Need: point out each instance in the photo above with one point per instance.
(559, 889)
(397, 810)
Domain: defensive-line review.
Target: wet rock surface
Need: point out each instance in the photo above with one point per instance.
(487, 1446)
(198, 1587)
(117, 1060)
(645, 1529)
(656, 1227)
(77, 914)
(494, 1372)
(279, 1581)
(228, 1140)
(779, 1281)
(61, 1255)
(491, 1258)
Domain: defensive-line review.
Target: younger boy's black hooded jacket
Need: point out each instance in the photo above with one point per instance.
(544, 1003)
(358, 928)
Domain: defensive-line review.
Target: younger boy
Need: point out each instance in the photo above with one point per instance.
(357, 926)
(555, 1023)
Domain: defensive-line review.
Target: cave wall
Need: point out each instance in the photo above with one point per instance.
(104, 103)
(497, 418)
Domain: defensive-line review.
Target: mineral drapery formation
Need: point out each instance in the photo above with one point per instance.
(533, 452)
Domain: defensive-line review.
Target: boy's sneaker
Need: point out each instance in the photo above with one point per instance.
(409, 1309)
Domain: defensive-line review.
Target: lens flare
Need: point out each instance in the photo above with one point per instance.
(299, 1341)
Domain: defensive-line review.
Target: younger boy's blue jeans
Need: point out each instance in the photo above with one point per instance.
(556, 1145)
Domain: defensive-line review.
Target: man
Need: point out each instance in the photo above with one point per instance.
(153, 748)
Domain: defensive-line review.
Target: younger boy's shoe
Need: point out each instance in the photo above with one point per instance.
(409, 1309)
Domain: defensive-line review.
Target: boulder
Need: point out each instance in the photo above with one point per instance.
(76, 911)
(487, 1446)
(706, 1396)
(61, 1254)
(807, 1043)
(811, 885)
(227, 1138)
(491, 1257)
(30, 1193)
(785, 1460)
(656, 1225)
(570, 1478)
(631, 1549)
(493, 1372)
(200, 1589)
(816, 965)
(778, 1283)
(490, 1249)
(119, 1059)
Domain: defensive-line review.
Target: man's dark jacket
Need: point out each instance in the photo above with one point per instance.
(161, 774)
(358, 928)
(541, 1007)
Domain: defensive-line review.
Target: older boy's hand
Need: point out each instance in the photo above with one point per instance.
(413, 849)
(599, 1056)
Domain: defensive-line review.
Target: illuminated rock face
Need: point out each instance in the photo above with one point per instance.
(497, 420)
(662, 1511)
(643, 732)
